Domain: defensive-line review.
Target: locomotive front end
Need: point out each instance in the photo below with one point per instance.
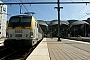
(19, 31)
(19, 38)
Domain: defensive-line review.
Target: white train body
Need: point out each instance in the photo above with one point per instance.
(24, 35)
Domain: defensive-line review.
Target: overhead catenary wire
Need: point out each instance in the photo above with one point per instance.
(20, 7)
(16, 0)
(46, 3)
(30, 5)
(83, 0)
(38, 8)
(13, 9)
(31, 9)
(6, 0)
(84, 15)
(72, 0)
(24, 6)
(79, 11)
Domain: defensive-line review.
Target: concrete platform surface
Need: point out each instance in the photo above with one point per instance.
(68, 50)
(40, 52)
(51, 49)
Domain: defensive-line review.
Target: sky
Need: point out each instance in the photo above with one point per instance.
(47, 12)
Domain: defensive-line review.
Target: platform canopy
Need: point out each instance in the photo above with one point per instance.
(42, 22)
(79, 23)
(64, 23)
(55, 22)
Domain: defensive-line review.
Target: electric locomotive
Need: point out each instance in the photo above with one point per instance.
(23, 31)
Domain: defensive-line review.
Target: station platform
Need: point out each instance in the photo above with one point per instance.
(51, 49)
(85, 39)
(40, 52)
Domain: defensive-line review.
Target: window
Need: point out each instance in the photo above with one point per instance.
(20, 21)
(25, 21)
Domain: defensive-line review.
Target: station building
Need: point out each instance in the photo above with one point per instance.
(3, 18)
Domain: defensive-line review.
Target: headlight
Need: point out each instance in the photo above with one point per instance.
(31, 34)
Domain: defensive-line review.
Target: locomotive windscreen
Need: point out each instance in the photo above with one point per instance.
(20, 21)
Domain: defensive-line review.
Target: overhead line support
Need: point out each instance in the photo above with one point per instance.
(44, 3)
(58, 8)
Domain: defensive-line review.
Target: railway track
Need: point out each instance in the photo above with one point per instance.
(20, 55)
(1, 47)
(10, 54)
(4, 51)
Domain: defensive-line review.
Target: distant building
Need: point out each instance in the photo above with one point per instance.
(3, 18)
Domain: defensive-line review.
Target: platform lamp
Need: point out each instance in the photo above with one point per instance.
(58, 8)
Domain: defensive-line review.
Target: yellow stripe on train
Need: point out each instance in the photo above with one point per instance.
(33, 22)
(9, 28)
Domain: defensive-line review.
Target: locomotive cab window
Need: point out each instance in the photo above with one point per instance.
(26, 21)
(20, 21)
(13, 21)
